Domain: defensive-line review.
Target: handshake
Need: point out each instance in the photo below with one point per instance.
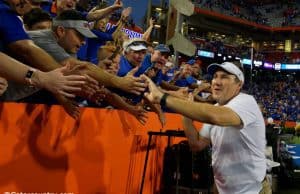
(81, 80)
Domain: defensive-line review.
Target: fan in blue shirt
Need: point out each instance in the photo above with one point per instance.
(11, 26)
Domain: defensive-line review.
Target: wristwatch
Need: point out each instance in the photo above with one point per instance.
(29, 75)
(163, 100)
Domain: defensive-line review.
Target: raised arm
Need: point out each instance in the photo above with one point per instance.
(128, 83)
(207, 113)
(124, 16)
(96, 14)
(147, 33)
(54, 81)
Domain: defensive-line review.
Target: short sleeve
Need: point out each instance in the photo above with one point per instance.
(103, 36)
(205, 131)
(245, 107)
(47, 42)
(11, 27)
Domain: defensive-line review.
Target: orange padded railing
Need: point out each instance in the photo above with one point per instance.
(42, 149)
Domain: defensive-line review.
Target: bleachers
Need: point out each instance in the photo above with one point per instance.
(273, 14)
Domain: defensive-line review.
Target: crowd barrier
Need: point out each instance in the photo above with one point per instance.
(43, 150)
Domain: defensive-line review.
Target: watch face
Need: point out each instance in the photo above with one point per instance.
(29, 74)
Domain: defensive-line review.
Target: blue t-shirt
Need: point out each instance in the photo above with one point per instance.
(146, 64)
(88, 51)
(158, 78)
(185, 82)
(11, 26)
(169, 75)
(81, 53)
(126, 67)
(93, 44)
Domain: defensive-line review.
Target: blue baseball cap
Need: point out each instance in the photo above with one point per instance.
(162, 48)
(191, 62)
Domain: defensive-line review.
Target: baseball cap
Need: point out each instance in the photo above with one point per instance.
(227, 66)
(169, 64)
(135, 44)
(162, 48)
(191, 62)
(80, 25)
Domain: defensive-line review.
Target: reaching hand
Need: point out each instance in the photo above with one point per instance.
(56, 82)
(139, 113)
(75, 67)
(154, 95)
(3, 85)
(105, 63)
(132, 84)
(88, 89)
(70, 106)
(126, 12)
(100, 95)
(118, 4)
(205, 86)
(151, 22)
(181, 93)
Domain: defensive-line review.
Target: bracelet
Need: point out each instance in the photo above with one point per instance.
(163, 100)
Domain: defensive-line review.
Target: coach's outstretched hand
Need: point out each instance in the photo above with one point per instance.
(153, 94)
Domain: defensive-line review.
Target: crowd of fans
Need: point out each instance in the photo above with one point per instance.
(284, 12)
(225, 47)
(279, 96)
(220, 46)
(111, 66)
(261, 12)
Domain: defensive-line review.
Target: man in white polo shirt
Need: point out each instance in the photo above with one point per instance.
(234, 127)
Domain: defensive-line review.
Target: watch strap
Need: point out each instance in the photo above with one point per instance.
(29, 74)
(163, 100)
